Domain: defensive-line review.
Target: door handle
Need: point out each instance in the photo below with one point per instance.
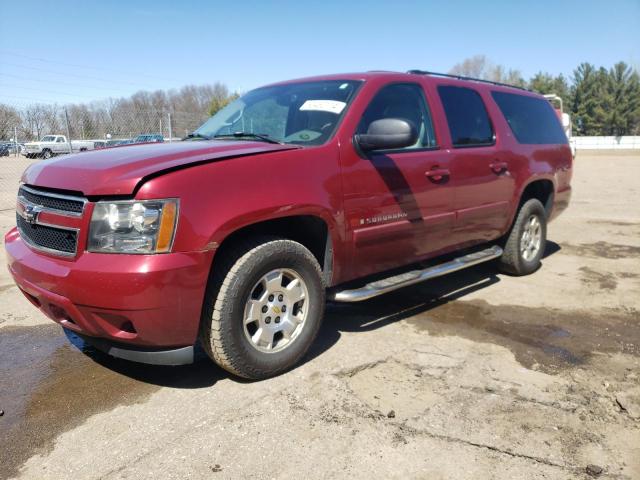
(437, 174)
(499, 167)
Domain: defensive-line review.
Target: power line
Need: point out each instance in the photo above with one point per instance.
(29, 99)
(54, 92)
(75, 65)
(40, 80)
(67, 74)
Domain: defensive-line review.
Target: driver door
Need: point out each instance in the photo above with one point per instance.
(396, 212)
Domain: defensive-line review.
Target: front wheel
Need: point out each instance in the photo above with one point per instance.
(47, 154)
(263, 307)
(526, 242)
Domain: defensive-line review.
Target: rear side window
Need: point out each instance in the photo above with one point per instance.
(532, 120)
(467, 117)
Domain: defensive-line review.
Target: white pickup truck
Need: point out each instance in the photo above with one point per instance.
(51, 145)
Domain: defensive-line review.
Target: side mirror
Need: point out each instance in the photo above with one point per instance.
(387, 133)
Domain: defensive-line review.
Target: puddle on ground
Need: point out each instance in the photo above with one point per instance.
(616, 223)
(611, 251)
(51, 382)
(604, 281)
(547, 338)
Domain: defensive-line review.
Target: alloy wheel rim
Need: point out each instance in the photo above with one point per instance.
(531, 239)
(276, 311)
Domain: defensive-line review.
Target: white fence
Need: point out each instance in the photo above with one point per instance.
(606, 143)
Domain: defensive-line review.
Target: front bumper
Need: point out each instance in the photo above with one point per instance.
(151, 356)
(149, 301)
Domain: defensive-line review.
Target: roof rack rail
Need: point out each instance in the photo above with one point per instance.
(462, 77)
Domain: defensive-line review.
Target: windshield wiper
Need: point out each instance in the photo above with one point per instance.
(197, 135)
(259, 136)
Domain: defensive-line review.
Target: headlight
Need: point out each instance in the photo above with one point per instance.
(135, 226)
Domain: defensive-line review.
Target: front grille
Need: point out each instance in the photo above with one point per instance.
(46, 237)
(53, 202)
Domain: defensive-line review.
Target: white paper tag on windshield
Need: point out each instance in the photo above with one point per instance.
(332, 106)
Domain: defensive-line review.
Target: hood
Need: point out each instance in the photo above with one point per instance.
(118, 170)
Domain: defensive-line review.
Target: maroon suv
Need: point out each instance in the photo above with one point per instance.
(294, 192)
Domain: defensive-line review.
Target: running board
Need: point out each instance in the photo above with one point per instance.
(390, 284)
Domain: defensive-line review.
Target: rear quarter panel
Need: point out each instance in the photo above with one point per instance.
(530, 163)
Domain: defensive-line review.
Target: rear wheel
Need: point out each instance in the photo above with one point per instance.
(526, 242)
(263, 307)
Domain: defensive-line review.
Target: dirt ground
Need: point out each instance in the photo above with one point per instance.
(473, 376)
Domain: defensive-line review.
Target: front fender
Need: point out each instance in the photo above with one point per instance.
(219, 198)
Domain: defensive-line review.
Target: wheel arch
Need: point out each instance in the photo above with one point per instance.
(542, 189)
(309, 229)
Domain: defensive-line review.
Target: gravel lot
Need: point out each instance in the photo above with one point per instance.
(474, 376)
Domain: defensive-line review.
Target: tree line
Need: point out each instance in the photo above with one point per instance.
(600, 101)
(172, 112)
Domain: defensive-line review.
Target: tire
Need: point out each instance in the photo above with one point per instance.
(239, 277)
(522, 253)
(46, 154)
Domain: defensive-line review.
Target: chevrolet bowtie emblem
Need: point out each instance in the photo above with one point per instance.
(31, 212)
(276, 310)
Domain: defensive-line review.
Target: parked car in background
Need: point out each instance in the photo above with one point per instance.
(114, 142)
(343, 187)
(149, 138)
(4, 149)
(9, 148)
(51, 145)
(13, 147)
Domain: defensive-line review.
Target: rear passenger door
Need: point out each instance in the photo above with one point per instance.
(479, 168)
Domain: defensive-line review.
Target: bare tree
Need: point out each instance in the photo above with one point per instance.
(9, 119)
(34, 117)
(479, 66)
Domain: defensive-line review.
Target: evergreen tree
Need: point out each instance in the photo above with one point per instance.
(621, 101)
(545, 83)
(587, 104)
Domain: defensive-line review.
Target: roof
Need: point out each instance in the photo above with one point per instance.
(442, 78)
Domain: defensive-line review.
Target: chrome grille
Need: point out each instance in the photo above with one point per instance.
(48, 238)
(51, 201)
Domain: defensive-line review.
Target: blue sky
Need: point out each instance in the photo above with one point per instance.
(74, 51)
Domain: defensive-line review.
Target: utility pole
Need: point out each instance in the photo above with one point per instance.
(66, 117)
(15, 139)
(170, 128)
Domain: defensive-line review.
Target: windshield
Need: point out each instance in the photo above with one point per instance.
(48, 138)
(301, 113)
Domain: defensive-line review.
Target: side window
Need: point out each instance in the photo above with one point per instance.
(405, 101)
(532, 120)
(60, 140)
(467, 116)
